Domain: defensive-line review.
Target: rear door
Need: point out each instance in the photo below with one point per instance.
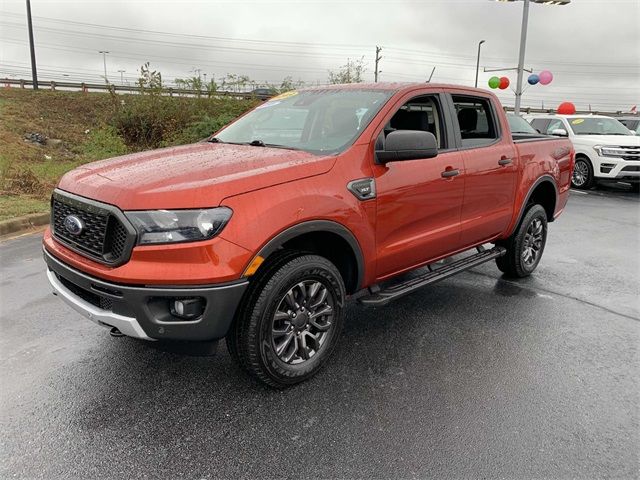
(490, 164)
(418, 208)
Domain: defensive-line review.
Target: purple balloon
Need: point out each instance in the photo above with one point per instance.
(533, 79)
(546, 77)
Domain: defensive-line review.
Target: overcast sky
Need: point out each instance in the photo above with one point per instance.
(591, 46)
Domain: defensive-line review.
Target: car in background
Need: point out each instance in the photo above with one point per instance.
(605, 148)
(520, 127)
(631, 122)
(264, 93)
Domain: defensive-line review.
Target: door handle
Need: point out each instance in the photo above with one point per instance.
(505, 161)
(450, 172)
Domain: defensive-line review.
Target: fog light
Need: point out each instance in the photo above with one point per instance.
(187, 308)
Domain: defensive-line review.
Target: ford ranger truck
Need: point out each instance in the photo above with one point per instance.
(606, 150)
(262, 232)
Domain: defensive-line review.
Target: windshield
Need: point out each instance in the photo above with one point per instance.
(518, 124)
(317, 121)
(597, 126)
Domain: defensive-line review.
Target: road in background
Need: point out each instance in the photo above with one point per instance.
(476, 376)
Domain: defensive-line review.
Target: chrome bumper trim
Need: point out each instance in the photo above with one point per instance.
(127, 325)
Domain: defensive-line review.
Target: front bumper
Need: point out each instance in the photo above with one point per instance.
(617, 169)
(143, 312)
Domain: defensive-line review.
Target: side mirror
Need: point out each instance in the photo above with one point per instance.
(407, 145)
(559, 132)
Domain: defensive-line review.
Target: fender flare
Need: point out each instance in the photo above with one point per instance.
(544, 178)
(317, 226)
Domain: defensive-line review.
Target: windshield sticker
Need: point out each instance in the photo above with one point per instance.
(267, 104)
(577, 121)
(284, 95)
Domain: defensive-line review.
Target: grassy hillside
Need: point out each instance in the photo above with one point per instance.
(83, 127)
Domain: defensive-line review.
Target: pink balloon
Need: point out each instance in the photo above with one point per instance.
(546, 77)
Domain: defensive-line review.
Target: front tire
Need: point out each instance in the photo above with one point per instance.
(526, 246)
(290, 320)
(582, 178)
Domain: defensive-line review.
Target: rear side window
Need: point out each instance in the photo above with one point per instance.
(476, 121)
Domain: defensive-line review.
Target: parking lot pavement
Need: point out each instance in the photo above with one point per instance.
(474, 377)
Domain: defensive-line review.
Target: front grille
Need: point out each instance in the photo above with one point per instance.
(631, 168)
(92, 239)
(104, 236)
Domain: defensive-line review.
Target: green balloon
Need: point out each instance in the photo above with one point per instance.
(494, 82)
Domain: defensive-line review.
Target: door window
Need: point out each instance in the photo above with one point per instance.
(555, 125)
(420, 113)
(476, 121)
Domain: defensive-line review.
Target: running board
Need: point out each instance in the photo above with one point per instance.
(382, 297)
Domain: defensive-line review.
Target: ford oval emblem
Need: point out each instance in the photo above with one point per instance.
(73, 225)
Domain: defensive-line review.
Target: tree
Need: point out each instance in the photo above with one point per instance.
(149, 81)
(350, 72)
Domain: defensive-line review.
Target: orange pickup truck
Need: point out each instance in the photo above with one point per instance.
(262, 232)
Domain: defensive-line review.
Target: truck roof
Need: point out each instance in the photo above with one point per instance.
(391, 86)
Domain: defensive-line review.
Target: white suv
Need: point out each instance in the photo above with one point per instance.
(605, 148)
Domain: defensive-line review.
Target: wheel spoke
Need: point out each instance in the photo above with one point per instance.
(282, 346)
(321, 299)
(303, 349)
(281, 316)
(288, 355)
(313, 290)
(313, 341)
(291, 300)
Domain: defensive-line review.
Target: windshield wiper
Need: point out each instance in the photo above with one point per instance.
(214, 140)
(260, 143)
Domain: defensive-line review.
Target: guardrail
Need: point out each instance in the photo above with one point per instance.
(112, 87)
(86, 87)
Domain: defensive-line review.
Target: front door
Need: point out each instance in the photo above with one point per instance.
(418, 208)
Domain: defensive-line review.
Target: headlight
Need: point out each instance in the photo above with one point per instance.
(609, 151)
(170, 226)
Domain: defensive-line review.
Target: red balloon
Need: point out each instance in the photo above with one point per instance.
(504, 83)
(566, 108)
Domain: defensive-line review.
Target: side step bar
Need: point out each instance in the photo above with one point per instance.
(382, 297)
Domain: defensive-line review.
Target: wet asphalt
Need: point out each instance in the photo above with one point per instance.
(477, 376)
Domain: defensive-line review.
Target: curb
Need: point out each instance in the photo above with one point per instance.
(28, 222)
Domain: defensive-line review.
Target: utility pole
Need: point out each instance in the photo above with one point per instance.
(378, 58)
(523, 45)
(121, 76)
(478, 63)
(104, 62)
(34, 71)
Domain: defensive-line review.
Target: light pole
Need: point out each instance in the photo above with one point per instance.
(478, 63)
(104, 62)
(32, 48)
(523, 43)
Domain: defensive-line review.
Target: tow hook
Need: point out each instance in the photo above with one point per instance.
(114, 332)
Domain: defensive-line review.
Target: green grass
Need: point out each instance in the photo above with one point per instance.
(86, 127)
(17, 206)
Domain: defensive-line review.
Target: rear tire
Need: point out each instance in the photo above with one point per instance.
(290, 320)
(526, 246)
(582, 177)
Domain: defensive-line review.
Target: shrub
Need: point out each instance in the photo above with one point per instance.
(103, 143)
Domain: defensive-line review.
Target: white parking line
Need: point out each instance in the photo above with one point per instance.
(580, 192)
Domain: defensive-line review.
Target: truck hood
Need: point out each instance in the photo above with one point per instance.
(610, 140)
(192, 176)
